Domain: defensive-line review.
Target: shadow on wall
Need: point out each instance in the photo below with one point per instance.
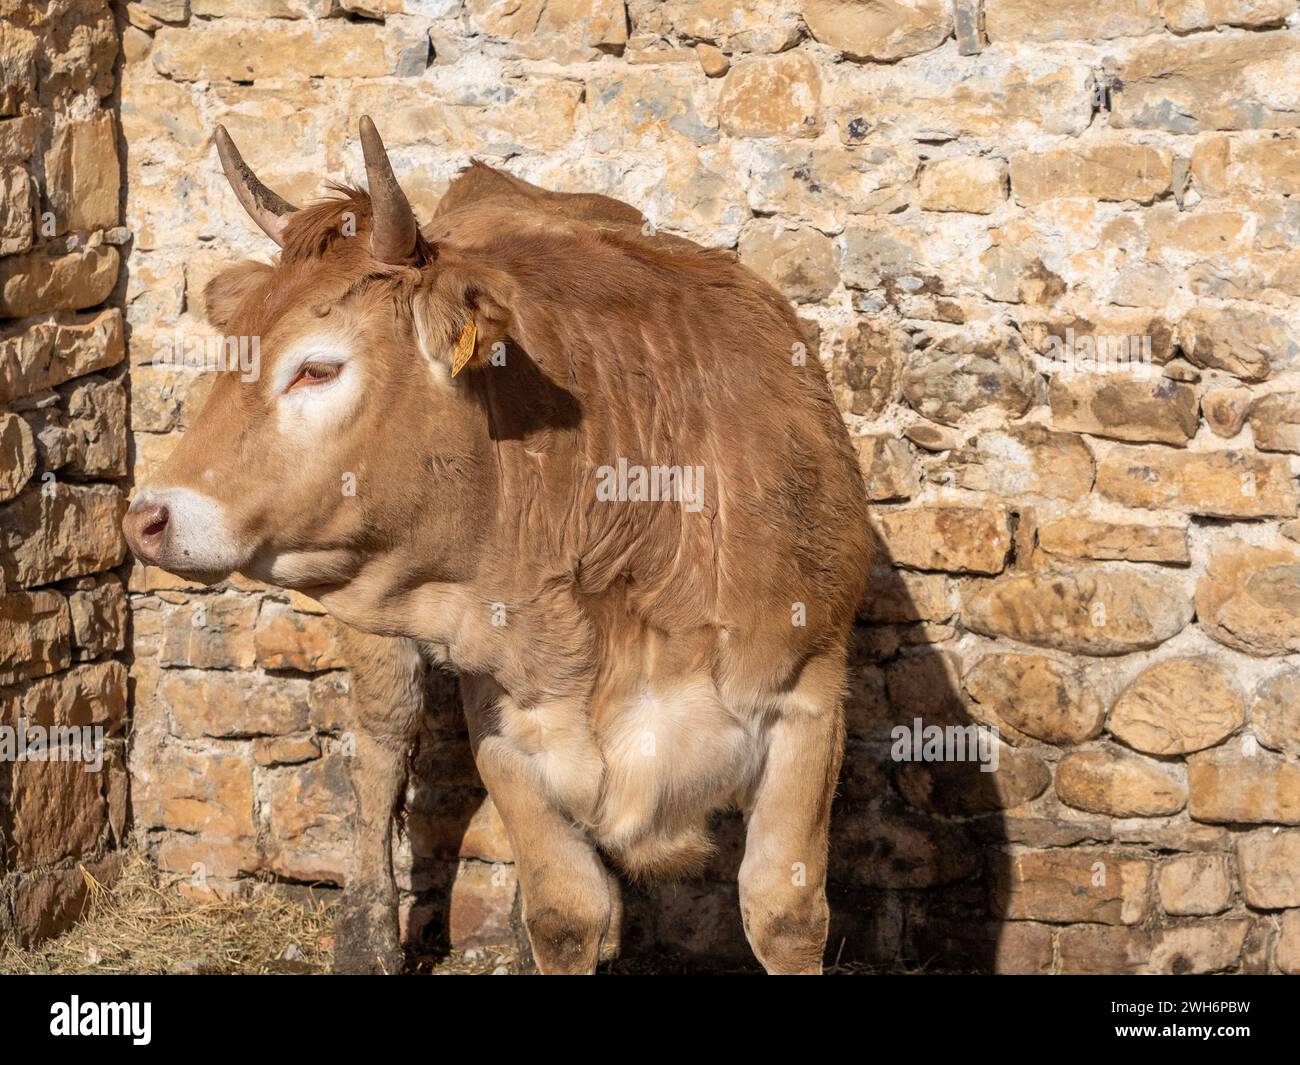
(455, 886)
(917, 847)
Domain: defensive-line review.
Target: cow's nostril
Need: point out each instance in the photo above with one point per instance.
(145, 528)
(158, 524)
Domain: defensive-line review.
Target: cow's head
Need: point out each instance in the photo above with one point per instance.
(315, 460)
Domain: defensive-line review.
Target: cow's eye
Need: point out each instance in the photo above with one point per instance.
(312, 374)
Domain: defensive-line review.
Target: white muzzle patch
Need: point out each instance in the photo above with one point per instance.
(198, 537)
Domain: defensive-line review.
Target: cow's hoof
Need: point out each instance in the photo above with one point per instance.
(365, 938)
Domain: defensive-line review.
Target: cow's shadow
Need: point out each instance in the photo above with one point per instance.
(916, 847)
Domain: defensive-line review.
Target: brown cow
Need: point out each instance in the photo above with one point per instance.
(631, 521)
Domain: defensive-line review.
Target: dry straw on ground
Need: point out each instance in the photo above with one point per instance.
(143, 924)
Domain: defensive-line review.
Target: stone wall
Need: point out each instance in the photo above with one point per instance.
(966, 200)
(63, 463)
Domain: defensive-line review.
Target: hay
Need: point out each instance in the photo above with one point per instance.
(143, 924)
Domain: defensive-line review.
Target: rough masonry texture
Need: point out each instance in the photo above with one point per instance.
(63, 462)
(968, 202)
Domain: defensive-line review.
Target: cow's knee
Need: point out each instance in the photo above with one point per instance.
(565, 941)
(569, 926)
(785, 924)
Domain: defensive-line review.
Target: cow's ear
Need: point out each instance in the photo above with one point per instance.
(228, 289)
(464, 313)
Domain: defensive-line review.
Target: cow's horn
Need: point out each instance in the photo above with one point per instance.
(264, 207)
(395, 231)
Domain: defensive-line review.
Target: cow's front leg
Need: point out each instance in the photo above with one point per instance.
(568, 897)
(387, 698)
(569, 900)
(783, 874)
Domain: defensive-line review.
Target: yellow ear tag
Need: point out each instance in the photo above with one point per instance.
(464, 347)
